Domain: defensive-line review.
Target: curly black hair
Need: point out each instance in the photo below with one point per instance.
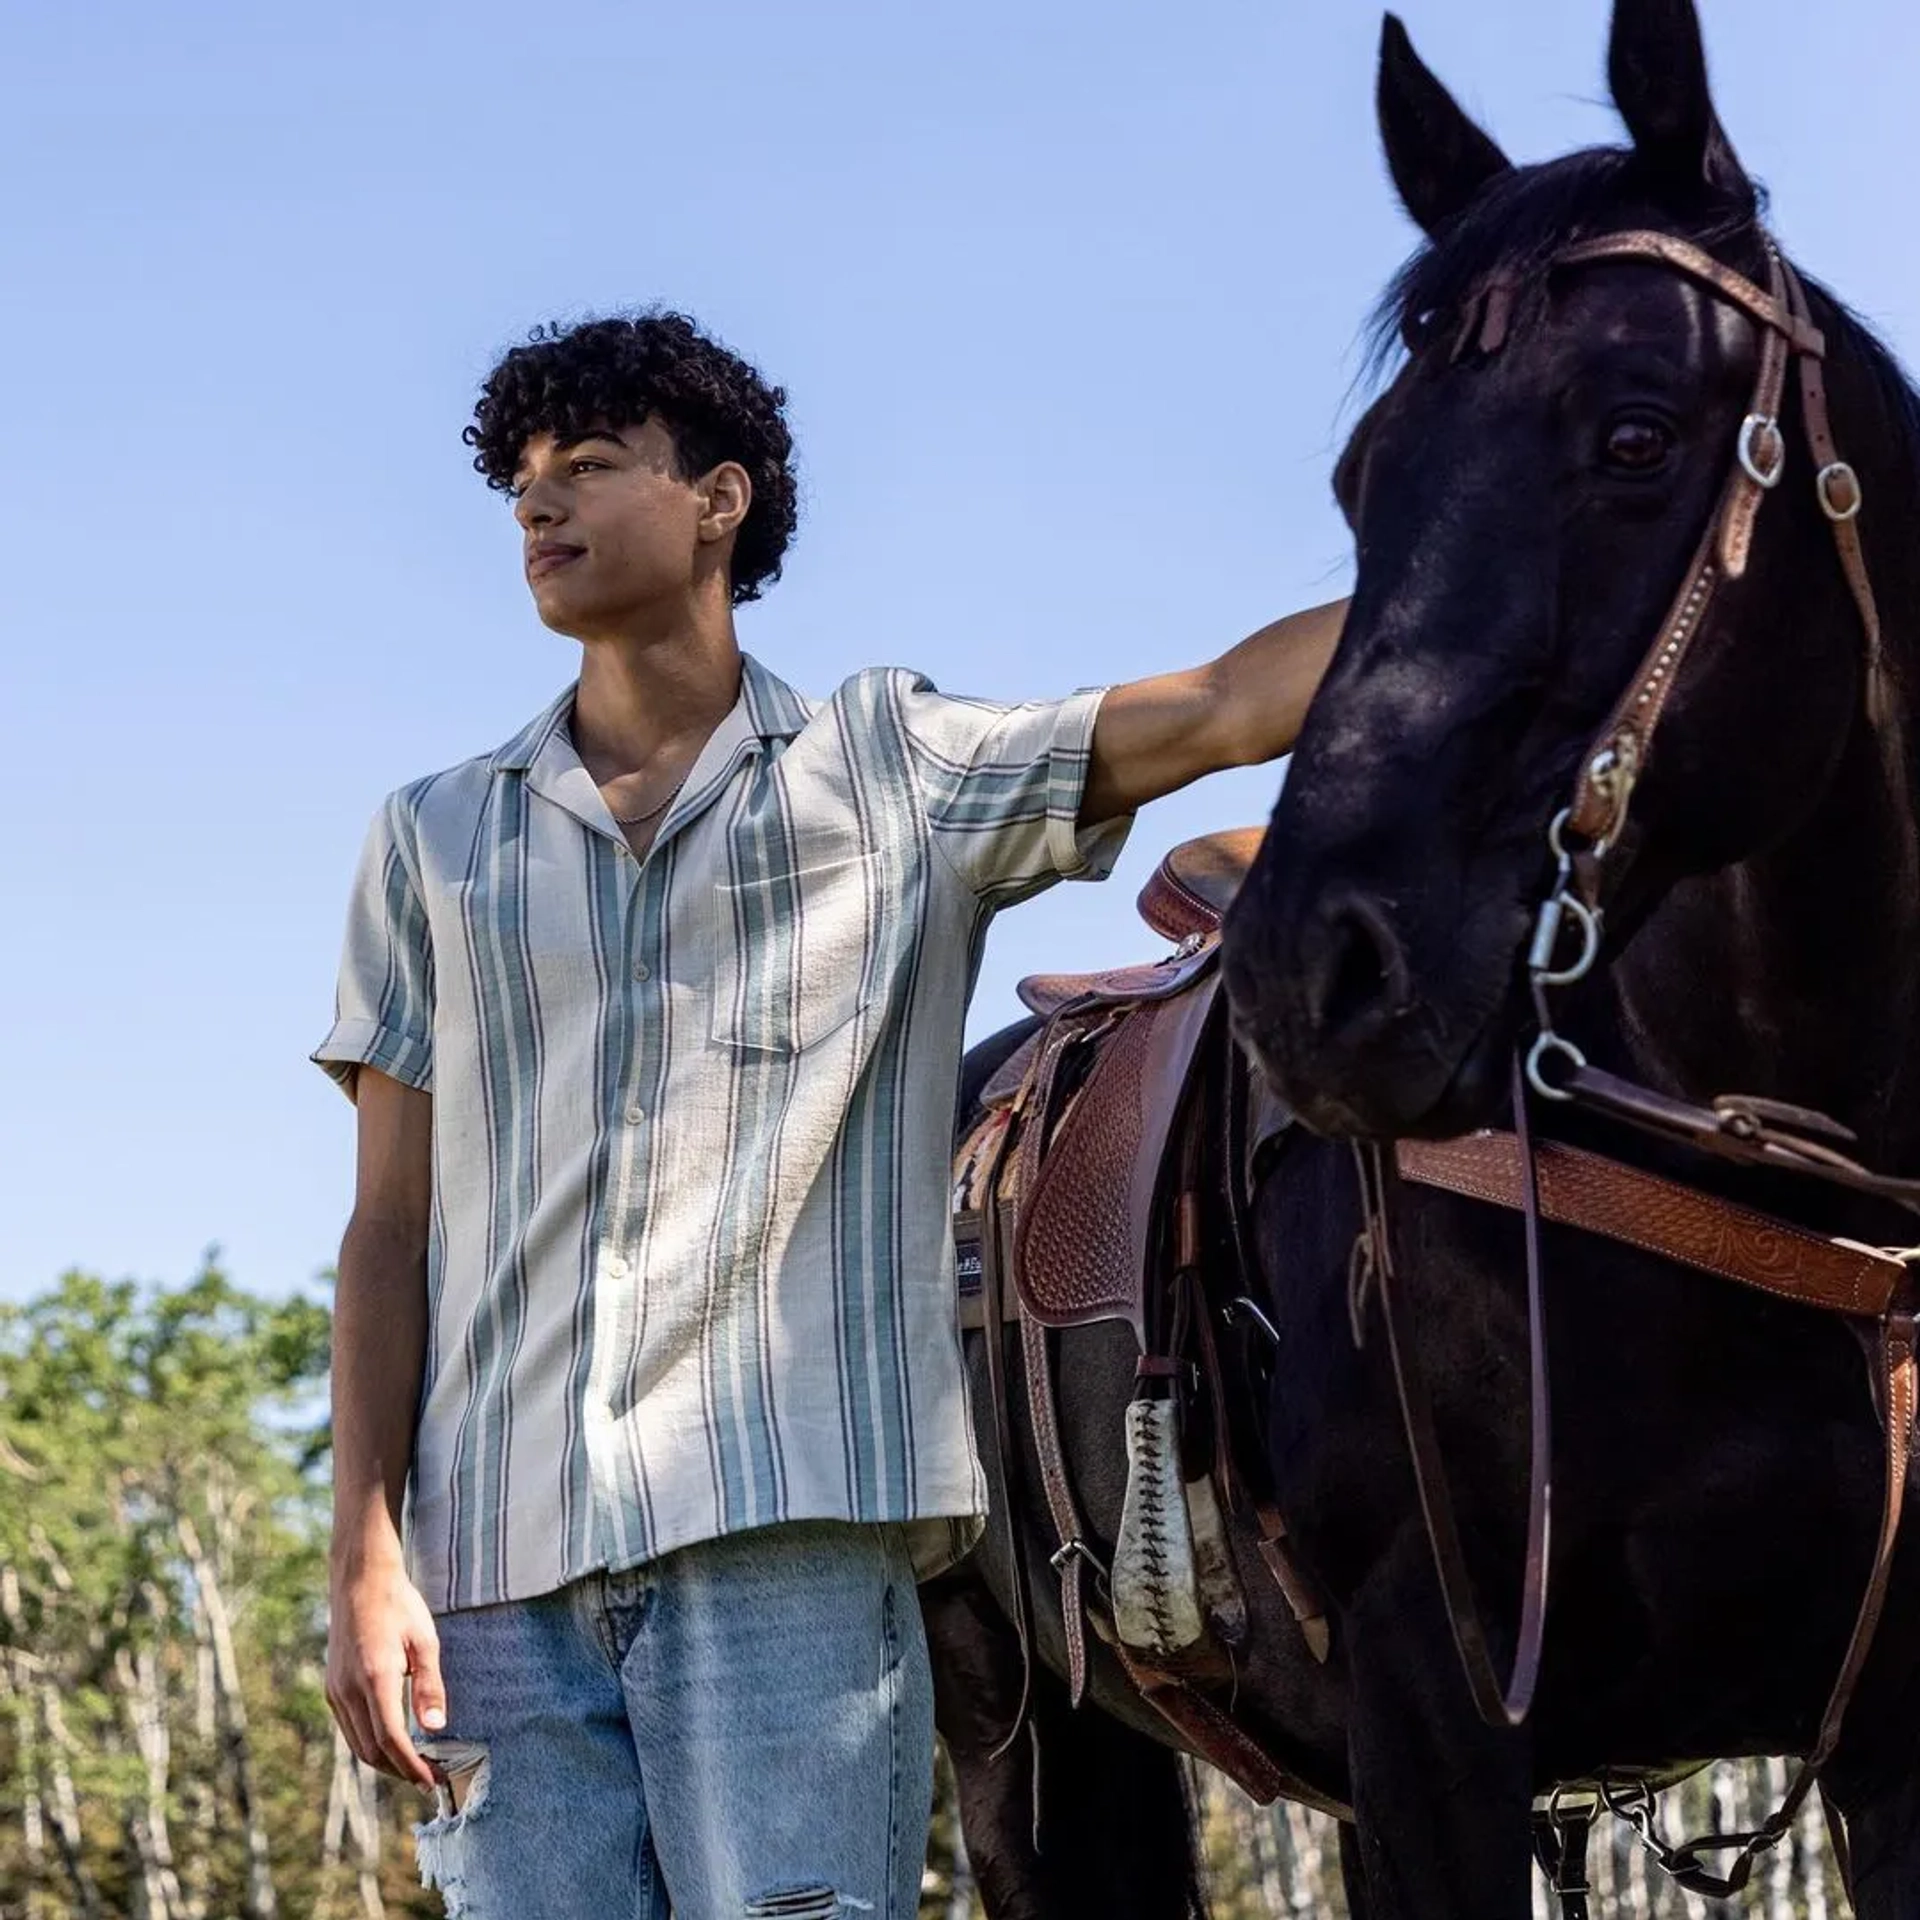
(620, 372)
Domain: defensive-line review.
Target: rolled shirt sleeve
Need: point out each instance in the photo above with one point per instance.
(383, 1006)
(1003, 786)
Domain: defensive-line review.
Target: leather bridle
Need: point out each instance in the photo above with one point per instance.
(1601, 1195)
(1592, 823)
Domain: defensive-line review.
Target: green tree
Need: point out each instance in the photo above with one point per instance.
(164, 1746)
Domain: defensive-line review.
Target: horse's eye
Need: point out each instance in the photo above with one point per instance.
(1418, 329)
(1638, 444)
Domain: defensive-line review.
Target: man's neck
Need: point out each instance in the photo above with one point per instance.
(647, 699)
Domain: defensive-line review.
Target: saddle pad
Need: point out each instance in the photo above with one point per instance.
(1084, 1244)
(1003, 1086)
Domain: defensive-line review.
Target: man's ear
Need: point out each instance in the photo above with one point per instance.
(729, 493)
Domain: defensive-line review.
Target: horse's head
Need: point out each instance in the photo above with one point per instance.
(1526, 497)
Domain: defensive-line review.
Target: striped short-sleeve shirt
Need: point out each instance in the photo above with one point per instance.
(689, 1266)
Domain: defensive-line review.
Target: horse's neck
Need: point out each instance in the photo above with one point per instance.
(1796, 975)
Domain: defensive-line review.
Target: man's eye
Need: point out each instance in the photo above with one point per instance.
(584, 465)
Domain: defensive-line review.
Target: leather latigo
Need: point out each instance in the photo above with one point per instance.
(1607, 1197)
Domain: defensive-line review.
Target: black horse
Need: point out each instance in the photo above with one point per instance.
(1522, 519)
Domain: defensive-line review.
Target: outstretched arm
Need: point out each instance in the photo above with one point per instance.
(1155, 736)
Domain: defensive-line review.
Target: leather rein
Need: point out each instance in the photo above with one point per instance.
(1559, 1183)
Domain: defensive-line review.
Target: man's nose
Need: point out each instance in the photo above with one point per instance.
(538, 506)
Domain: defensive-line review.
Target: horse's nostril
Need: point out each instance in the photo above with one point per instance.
(1359, 973)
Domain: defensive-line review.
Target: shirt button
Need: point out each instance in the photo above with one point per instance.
(636, 1113)
(617, 1268)
(641, 971)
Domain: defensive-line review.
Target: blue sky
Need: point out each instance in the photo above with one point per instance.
(1067, 299)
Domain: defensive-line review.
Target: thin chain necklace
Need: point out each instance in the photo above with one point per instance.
(652, 813)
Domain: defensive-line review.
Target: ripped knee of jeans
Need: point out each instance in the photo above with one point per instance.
(816, 1902)
(465, 1771)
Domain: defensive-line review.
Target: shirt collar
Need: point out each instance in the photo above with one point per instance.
(774, 710)
(771, 709)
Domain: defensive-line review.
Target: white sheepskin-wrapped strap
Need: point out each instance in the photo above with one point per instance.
(1156, 1603)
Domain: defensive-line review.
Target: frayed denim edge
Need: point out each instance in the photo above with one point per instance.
(430, 1838)
(805, 1903)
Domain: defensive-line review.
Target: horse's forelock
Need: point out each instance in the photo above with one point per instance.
(1514, 227)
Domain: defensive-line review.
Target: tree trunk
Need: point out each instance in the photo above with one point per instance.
(1814, 1856)
(260, 1902)
(363, 1821)
(1600, 1873)
(1273, 1851)
(352, 1812)
(197, 1795)
(1304, 1834)
(333, 1829)
(144, 1885)
(64, 1810)
(1698, 1800)
(1780, 1868)
(960, 1900)
(1631, 1871)
(1262, 1827)
(138, 1678)
(16, 1686)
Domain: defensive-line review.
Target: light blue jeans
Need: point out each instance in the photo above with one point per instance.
(739, 1731)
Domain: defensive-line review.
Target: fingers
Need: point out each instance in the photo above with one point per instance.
(387, 1711)
(384, 1631)
(369, 1707)
(353, 1724)
(429, 1691)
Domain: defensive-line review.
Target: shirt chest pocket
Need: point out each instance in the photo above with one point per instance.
(793, 952)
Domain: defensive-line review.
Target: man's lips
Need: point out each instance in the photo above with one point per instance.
(548, 556)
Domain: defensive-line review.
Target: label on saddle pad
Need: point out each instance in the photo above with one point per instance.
(969, 1274)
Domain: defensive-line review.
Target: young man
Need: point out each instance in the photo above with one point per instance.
(646, 1314)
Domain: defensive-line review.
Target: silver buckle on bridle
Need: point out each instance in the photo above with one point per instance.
(1762, 472)
(1823, 482)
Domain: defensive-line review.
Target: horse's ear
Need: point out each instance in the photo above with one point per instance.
(1657, 68)
(1438, 157)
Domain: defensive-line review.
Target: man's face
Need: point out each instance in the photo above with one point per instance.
(612, 532)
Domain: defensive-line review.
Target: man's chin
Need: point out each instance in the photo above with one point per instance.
(571, 614)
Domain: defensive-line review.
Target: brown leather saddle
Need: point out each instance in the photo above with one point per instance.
(1095, 1099)
(1104, 1147)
